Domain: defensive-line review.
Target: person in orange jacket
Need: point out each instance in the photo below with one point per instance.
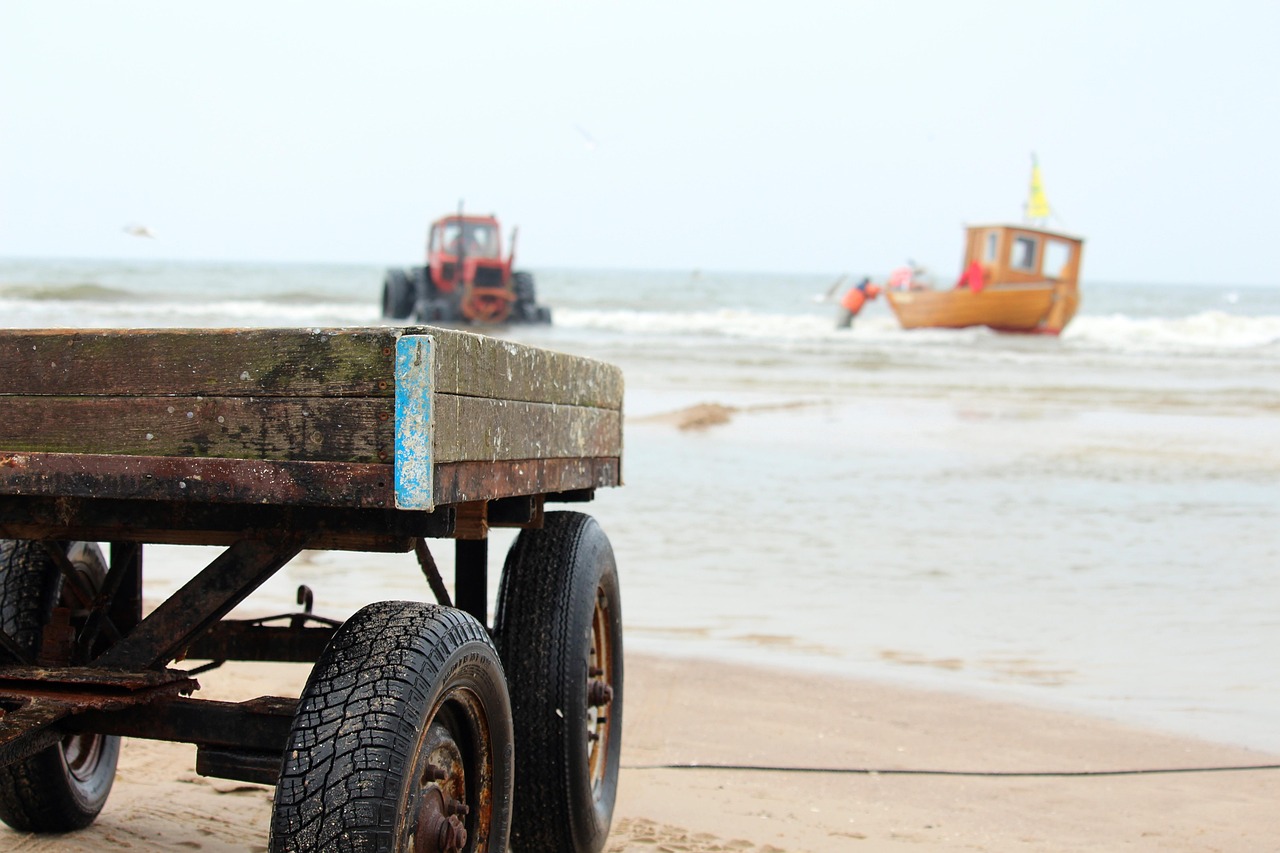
(853, 300)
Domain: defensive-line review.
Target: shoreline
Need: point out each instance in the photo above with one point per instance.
(681, 711)
(897, 671)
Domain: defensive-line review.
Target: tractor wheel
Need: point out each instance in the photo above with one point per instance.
(64, 786)
(401, 741)
(397, 295)
(526, 307)
(436, 311)
(558, 628)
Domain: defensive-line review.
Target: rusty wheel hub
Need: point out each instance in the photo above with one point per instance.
(440, 828)
(440, 797)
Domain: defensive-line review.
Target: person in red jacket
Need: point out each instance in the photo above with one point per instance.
(853, 300)
(973, 278)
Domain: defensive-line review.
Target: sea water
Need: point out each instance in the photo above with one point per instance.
(1087, 521)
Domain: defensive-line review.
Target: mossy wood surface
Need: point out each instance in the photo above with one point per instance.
(229, 403)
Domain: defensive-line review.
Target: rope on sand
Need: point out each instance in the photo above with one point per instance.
(869, 771)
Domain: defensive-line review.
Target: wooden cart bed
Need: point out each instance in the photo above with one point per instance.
(407, 418)
(272, 441)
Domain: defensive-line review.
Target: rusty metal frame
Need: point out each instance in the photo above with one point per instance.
(202, 602)
(176, 523)
(129, 690)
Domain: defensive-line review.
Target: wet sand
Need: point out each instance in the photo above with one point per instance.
(683, 711)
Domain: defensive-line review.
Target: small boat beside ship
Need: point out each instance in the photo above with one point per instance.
(1016, 278)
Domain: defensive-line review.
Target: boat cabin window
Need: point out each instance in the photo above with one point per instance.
(989, 246)
(1022, 255)
(1057, 254)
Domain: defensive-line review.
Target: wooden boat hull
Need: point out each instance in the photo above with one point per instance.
(1035, 308)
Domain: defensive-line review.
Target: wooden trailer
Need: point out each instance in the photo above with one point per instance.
(424, 726)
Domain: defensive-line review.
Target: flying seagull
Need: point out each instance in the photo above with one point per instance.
(587, 139)
(139, 231)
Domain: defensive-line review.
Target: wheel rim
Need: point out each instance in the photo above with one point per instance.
(600, 676)
(449, 799)
(81, 754)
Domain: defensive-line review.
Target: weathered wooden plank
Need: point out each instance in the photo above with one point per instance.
(318, 484)
(473, 428)
(317, 429)
(191, 362)
(197, 480)
(474, 365)
(460, 482)
(290, 362)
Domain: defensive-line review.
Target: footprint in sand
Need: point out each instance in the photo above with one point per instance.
(636, 835)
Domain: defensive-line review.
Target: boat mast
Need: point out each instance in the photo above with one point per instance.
(1036, 211)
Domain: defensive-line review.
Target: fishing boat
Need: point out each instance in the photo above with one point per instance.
(1016, 278)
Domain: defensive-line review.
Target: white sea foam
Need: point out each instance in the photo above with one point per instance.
(1204, 332)
(1196, 332)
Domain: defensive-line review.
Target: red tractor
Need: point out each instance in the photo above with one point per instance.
(466, 279)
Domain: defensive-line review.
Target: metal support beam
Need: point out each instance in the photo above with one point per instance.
(471, 577)
(431, 572)
(125, 592)
(202, 602)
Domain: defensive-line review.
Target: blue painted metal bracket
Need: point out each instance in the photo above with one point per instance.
(414, 422)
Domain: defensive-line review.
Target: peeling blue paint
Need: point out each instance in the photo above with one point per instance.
(414, 423)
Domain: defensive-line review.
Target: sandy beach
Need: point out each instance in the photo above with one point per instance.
(682, 711)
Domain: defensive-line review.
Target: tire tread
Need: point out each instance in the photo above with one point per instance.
(351, 735)
(538, 596)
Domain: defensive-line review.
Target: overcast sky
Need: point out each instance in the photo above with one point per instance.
(819, 136)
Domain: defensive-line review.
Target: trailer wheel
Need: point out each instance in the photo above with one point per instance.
(402, 739)
(65, 786)
(558, 628)
(398, 295)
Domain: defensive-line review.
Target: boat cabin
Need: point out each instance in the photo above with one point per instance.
(1022, 254)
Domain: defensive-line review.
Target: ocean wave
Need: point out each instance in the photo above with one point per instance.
(83, 292)
(1206, 330)
(304, 297)
(724, 322)
(1202, 332)
(230, 313)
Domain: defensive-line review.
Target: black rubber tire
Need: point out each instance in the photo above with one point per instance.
(522, 284)
(398, 295)
(420, 286)
(438, 310)
(558, 598)
(526, 308)
(64, 787)
(393, 678)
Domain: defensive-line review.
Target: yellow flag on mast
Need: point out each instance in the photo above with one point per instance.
(1037, 203)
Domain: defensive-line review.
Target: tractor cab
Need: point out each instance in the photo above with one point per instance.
(467, 250)
(454, 236)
